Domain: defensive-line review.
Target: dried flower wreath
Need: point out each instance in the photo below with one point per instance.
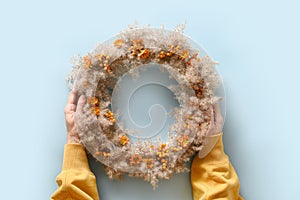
(96, 75)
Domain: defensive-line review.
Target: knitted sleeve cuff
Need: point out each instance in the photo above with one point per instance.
(75, 158)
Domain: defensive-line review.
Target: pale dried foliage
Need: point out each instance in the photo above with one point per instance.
(101, 136)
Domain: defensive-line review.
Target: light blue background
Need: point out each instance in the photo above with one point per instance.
(257, 43)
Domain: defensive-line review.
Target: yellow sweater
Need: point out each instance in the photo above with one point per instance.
(212, 177)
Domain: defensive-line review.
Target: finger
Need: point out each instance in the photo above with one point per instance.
(70, 108)
(218, 115)
(212, 117)
(212, 121)
(81, 102)
(216, 108)
(72, 97)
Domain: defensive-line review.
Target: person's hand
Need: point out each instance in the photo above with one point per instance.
(216, 120)
(74, 103)
(212, 174)
(214, 131)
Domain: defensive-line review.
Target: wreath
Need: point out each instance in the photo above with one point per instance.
(96, 75)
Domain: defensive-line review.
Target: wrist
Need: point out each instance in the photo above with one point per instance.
(72, 139)
(209, 144)
(217, 154)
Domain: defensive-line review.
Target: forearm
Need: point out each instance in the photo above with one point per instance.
(213, 177)
(75, 181)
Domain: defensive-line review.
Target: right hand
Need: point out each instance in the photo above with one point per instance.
(214, 131)
(216, 120)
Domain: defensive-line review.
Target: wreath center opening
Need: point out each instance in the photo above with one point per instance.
(144, 102)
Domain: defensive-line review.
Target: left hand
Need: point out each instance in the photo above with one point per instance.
(72, 105)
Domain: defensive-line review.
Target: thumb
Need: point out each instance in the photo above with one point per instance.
(81, 102)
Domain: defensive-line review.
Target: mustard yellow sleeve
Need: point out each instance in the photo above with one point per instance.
(213, 177)
(76, 181)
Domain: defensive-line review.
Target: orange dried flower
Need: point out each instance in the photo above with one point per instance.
(137, 47)
(144, 53)
(107, 68)
(110, 116)
(163, 151)
(118, 43)
(149, 163)
(162, 55)
(164, 166)
(95, 110)
(184, 54)
(164, 163)
(198, 94)
(199, 88)
(99, 56)
(104, 61)
(173, 50)
(135, 159)
(183, 140)
(196, 87)
(124, 140)
(105, 154)
(93, 101)
(87, 61)
(133, 52)
(162, 146)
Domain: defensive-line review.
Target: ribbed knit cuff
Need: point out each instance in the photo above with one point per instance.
(75, 158)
